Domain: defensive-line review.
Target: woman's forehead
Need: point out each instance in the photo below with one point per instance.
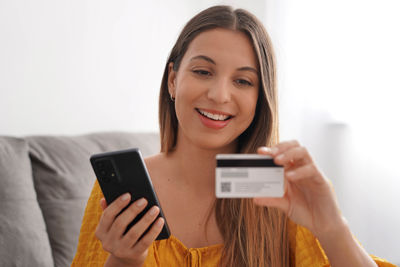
(223, 46)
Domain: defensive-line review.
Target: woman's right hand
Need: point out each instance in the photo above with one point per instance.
(127, 249)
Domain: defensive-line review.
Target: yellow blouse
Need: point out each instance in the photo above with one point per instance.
(305, 249)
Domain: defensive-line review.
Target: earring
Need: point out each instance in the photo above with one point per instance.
(172, 98)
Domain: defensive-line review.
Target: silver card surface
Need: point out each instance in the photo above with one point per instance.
(247, 176)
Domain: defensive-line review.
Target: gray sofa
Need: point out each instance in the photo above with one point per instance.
(45, 184)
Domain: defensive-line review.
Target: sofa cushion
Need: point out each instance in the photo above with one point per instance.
(63, 180)
(23, 237)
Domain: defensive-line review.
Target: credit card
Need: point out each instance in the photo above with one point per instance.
(247, 176)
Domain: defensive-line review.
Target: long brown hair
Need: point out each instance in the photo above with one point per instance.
(253, 236)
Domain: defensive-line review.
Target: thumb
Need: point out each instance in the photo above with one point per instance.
(263, 150)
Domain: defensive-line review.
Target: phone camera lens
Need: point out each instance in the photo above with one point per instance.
(100, 164)
(105, 170)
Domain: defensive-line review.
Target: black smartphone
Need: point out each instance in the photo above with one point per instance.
(124, 171)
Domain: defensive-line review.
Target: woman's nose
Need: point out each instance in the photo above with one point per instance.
(220, 91)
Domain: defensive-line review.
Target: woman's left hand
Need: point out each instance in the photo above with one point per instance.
(309, 199)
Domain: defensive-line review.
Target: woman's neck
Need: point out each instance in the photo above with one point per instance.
(194, 166)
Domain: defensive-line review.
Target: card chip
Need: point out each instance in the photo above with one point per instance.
(226, 187)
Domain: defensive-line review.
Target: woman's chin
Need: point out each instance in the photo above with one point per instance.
(218, 143)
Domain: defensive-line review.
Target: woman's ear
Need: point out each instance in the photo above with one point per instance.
(171, 79)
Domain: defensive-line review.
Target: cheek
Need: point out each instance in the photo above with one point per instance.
(248, 104)
(186, 93)
(187, 88)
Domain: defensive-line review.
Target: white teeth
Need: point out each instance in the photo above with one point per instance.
(216, 117)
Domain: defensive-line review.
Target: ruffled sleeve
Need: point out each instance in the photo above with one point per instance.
(307, 252)
(90, 251)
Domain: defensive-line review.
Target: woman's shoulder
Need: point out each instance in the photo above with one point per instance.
(160, 169)
(158, 165)
(155, 159)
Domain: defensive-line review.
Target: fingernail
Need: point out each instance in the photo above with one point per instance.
(280, 157)
(265, 149)
(160, 222)
(140, 202)
(153, 210)
(125, 196)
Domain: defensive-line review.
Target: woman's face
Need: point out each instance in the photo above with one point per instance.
(215, 89)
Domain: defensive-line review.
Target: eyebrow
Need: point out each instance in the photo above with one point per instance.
(208, 59)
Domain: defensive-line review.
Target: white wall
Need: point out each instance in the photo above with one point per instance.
(339, 90)
(70, 67)
(79, 66)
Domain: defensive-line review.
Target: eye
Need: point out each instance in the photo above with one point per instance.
(243, 82)
(202, 72)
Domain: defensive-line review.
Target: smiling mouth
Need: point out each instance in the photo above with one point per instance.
(214, 117)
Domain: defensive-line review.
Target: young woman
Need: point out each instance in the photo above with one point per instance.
(218, 95)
